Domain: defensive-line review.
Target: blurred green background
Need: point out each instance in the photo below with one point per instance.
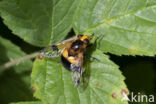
(140, 73)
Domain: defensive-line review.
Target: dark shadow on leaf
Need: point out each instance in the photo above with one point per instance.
(88, 58)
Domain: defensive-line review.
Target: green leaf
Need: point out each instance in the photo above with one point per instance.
(126, 27)
(15, 82)
(34, 102)
(39, 22)
(103, 82)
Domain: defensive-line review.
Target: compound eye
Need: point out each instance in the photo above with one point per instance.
(54, 47)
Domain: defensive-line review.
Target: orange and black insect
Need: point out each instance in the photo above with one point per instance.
(72, 55)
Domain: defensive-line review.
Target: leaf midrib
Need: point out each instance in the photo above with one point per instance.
(51, 35)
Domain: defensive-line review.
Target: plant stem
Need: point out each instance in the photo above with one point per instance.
(22, 59)
(17, 61)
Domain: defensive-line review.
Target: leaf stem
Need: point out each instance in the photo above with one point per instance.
(17, 61)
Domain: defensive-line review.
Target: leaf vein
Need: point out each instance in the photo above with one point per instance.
(66, 14)
(125, 29)
(113, 18)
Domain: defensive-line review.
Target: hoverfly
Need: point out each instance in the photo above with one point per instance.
(71, 52)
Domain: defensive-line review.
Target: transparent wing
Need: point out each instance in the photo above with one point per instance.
(50, 52)
(53, 51)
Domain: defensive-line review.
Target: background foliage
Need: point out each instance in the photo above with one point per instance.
(123, 27)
